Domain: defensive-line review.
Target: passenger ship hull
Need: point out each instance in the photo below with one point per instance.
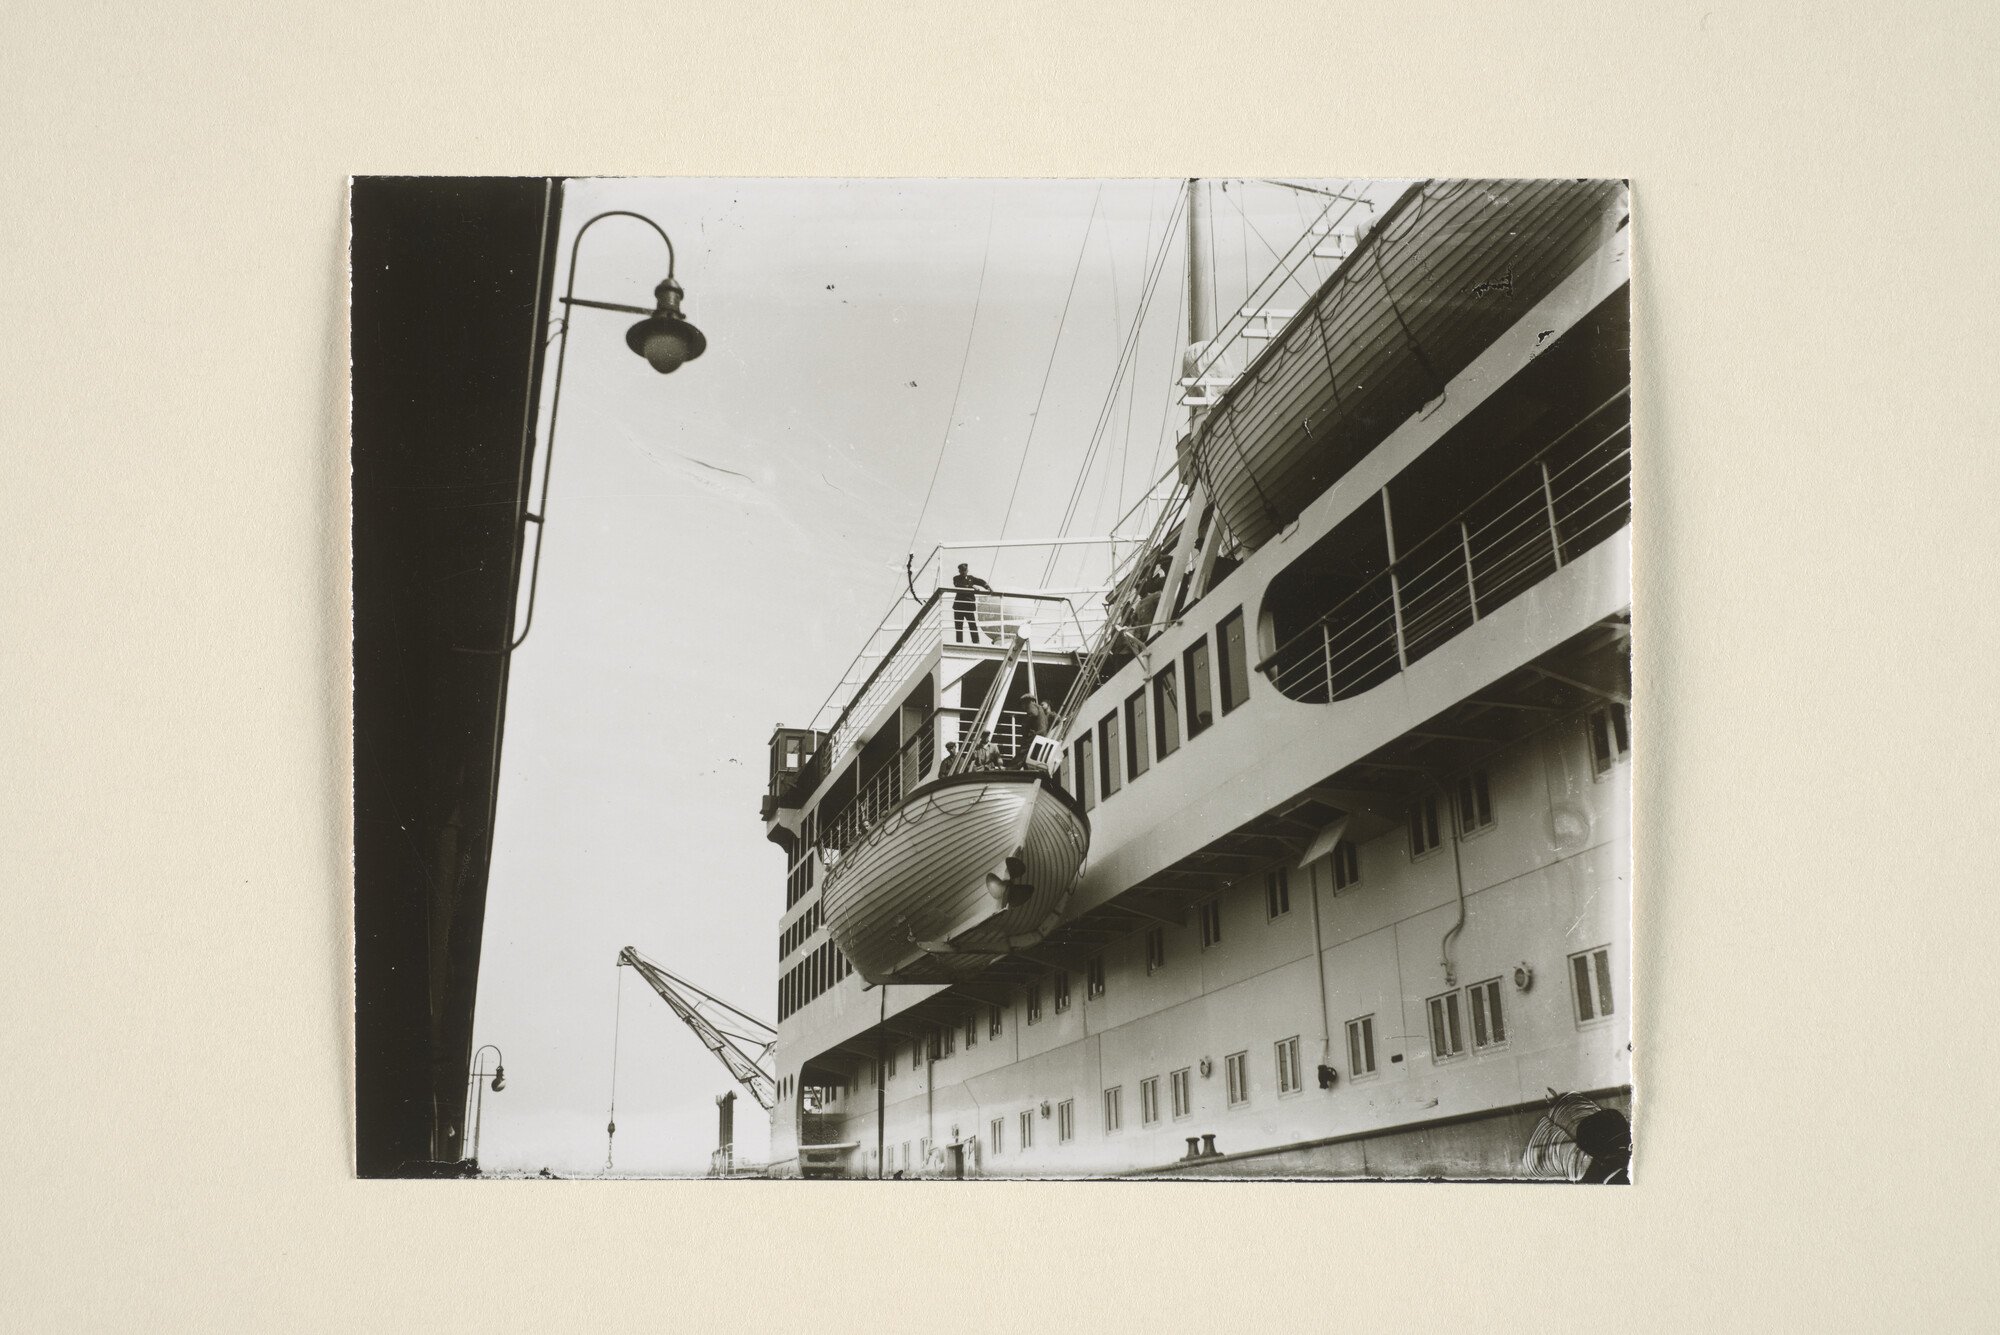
(963, 870)
(1359, 881)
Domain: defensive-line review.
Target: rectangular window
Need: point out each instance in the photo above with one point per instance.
(1475, 803)
(1136, 759)
(1183, 1091)
(907, 1162)
(1590, 972)
(916, 1055)
(1156, 949)
(1287, 1053)
(1149, 1100)
(1062, 993)
(1028, 1129)
(1609, 740)
(993, 1131)
(1346, 865)
(950, 1040)
(1114, 1109)
(1086, 786)
(1200, 710)
(1489, 1025)
(892, 1061)
(1447, 1035)
(1066, 1121)
(1035, 1004)
(1423, 826)
(1237, 1066)
(972, 1031)
(993, 1022)
(1361, 1047)
(1277, 893)
(1107, 753)
(1166, 713)
(1094, 977)
(936, 1045)
(1233, 667)
(1211, 923)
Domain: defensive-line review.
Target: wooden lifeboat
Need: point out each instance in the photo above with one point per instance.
(1448, 269)
(961, 871)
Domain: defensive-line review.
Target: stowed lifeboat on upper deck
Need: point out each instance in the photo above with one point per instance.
(937, 882)
(964, 869)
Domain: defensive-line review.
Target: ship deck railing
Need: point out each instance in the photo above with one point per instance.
(1063, 621)
(916, 762)
(1559, 503)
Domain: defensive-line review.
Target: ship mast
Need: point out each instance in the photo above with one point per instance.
(1200, 332)
(1200, 291)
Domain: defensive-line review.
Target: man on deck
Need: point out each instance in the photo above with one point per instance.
(964, 609)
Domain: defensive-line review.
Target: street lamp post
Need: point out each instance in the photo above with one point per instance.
(664, 338)
(479, 1073)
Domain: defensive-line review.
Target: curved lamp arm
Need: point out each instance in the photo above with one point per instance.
(538, 515)
(499, 1065)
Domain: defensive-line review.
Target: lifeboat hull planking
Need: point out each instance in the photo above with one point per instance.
(962, 871)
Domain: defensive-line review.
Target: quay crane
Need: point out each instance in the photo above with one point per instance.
(729, 1033)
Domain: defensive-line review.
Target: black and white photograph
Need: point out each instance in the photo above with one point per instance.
(993, 678)
(1119, 668)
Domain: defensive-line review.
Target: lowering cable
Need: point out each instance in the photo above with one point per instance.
(951, 417)
(611, 1125)
(1035, 419)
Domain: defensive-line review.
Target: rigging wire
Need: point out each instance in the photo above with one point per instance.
(611, 1124)
(1219, 346)
(1291, 276)
(1035, 419)
(1242, 239)
(1313, 190)
(951, 417)
(1176, 347)
(1132, 384)
(1126, 355)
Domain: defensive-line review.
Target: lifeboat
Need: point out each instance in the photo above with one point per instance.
(963, 870)
(1448, 269)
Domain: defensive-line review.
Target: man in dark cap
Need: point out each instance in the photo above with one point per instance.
(964, 609)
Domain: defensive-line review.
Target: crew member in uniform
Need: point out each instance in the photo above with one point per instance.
(964, 610)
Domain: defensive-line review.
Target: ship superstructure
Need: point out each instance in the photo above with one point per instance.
(1342, 752)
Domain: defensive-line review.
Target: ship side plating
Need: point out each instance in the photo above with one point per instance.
(1357, 893)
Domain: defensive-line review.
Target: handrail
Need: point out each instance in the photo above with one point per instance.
(1332, 661)
(1313, 303)
(832, 832)
(1475, 503)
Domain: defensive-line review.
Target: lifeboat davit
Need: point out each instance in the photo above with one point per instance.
(1449, 268)
(963, 870)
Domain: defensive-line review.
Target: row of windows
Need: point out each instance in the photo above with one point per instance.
(795, 936)
(941, 1043)
(1125, 731)
(809, 977)
(1487, 1029)
(800, 880)
(1124, 746)
(1180, 1089)
(1474, 1012)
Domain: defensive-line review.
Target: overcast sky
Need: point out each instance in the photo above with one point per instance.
(721, 541)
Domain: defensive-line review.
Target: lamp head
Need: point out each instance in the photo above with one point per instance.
(499, 1079)
(664, 339)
